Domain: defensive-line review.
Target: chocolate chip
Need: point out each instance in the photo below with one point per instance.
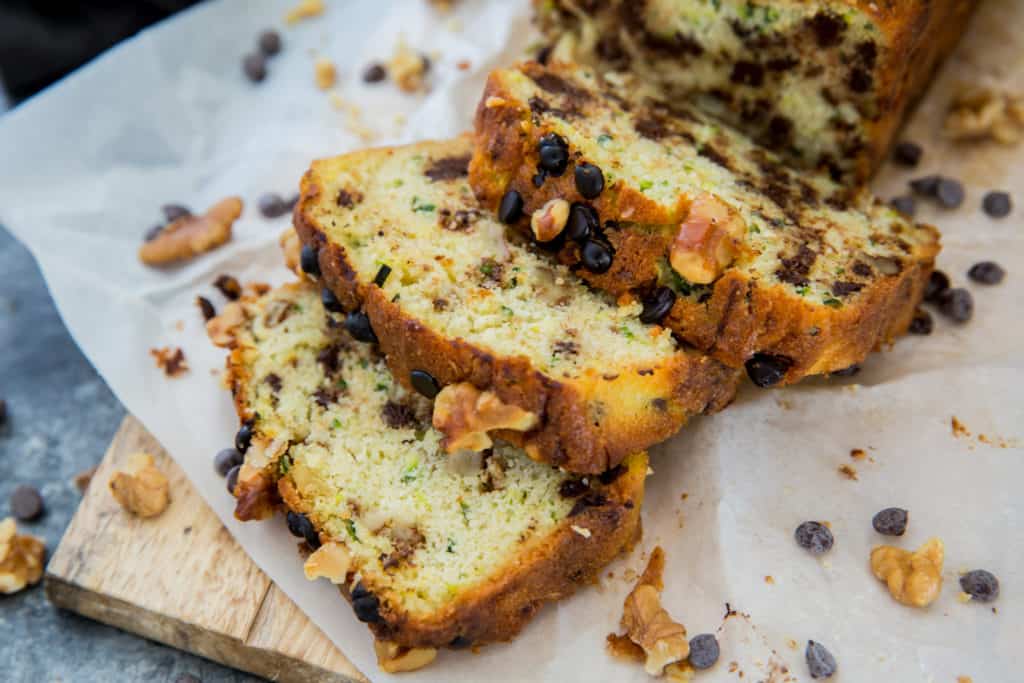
(300, 527)
(398, 415)
(987, 273)
(272, 205)
(365, 604)
(358, 325)
(26, 503)
(596, 256)
(330, 302)
(270, 42)
(583, 222)
(589, 500)
(820, 661)
(255, 67)
(589, 180)
(926, 186)
(309, 260)
(374, 73)
(382, 275)
(907, 153)
(890, 521)
(232, 479)
(847, 372)
(554, 154)
(460, 642)
(703, 651)
(173, 212)
(226, 459)
(423, 382)
(228, 286)
(766, 369)
(921, 323)
(243, 437)
(511, 208)
(980, 584)
(610, 476)
(957, 304)
(950, 193)
(572, 488)
(814, 536)
(658, 305)
(206, 308)
(997, 204)
(938, 282)
(905, 204)
(153, 232)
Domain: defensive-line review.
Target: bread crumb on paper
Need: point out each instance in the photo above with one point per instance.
(305, 9)
(849, 472)
(325, 72)
(171, 360)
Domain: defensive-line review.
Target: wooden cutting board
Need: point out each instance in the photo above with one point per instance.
(182, 580)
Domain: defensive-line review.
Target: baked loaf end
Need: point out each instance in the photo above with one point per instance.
(398, 234)
(763, 261)
(825, 84)
(434, 551)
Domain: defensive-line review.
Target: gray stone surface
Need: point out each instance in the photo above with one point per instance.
(61, 417)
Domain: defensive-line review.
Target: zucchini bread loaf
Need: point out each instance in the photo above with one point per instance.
(826, 83)
(787, 273)
(510, 343)
(431, 550)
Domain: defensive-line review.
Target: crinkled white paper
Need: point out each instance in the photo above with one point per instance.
(168, 116)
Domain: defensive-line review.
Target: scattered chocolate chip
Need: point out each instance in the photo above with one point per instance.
(554, 154)
(589, 180)
(905, 204)
(890, 521)
(375, 73)
(173, 212)
(926, 186)
(938, 282)
(596, 256)
(814, 536)
(820, 661)
(309, 260)
(511, 208)
(26, 503)
(232, 479)
(980, 584)
(921, 323)
(243, 437)
(365, 604)
(950, 193)
(358, 325)
(272, 205)
(300, 527)
(658, 305)
(583, 222)
(572, 488)
(703, 651)
(423, 382)
(765, 369)
(153, 232)
(228, 286)
(270, 42)
(957, 304)
(206, 308)
(997, 204)
(226, 459)
(382, 275)
(847, 372)
(907, 153)
(255, 67)
(330, 302)
(987, 273)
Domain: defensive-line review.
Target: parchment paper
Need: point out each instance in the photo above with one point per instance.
(167, 116)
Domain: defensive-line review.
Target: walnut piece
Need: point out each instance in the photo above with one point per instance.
(649, 625)
(707, 241)
(980, 113)
(255, 494)
(464, 414)
(291, 247)
(141, 488)
(393, 658)
(330, 561)
(549, 221)
(221, 329)
(914, 578)
(21, 558)
(325, 72)
(190, 236)
(408, 69)
(171, 361)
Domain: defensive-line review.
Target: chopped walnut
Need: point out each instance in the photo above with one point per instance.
(21, 558)
(171, 361)
(325, 72)
(393, 658)
(408, 69)
(981, 113)
(707, 241)
(306, 9)
(649, 625)
(291, 247)
(330, 561)
(549, 221)
(141, 488)
(190, 235)
(914, 578)
(255, 494)
(464, 414)
(221, 329)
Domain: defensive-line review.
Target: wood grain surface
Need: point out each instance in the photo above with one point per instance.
(182, 580)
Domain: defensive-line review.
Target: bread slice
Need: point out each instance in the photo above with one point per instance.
(751, 262)
(825, 84)
(433, 551)
(396, 234)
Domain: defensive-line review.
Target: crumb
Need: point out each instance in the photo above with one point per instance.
(963, 597)
(769, 579)
(462, 65)
(582, 531)
(848, 471)
(353, 118)
(858, 454)
(454, 25)
(180, 326)
(325, 73)
(784, 403)
(959, 428)
(171, 361)
(792, 644)
(83, 478)
(964, 679)
(408, 69)
(306, 9)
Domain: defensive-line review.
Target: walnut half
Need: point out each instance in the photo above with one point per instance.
(330, 561)
(141, 488)
(393, 658)
(464, 414)
(21, 558)
(707, 241)
(649, 625)
(913, 578)
(190, 236)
